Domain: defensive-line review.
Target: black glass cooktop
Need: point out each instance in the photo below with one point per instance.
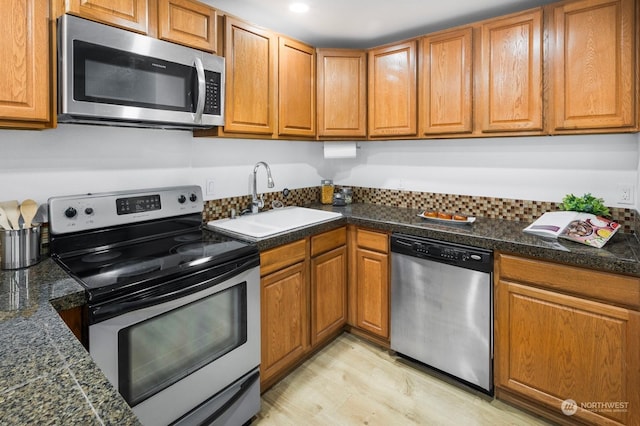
(123, 256)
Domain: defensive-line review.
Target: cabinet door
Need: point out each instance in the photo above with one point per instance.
(342, 93)
(372, 292)
(593, 65)
(446, 84)
(128, 14)
(392, 90)
(284, 319)
(74, 318)
(187, 22)
(297, 89)
(25, 65)
(511, 74)
(328, 294)
(552, 347)
(251, 83)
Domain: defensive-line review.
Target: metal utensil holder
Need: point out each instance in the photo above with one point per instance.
(20, 248)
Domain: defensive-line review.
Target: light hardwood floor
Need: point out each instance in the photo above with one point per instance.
(352, 382)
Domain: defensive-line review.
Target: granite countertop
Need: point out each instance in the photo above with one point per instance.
(47, 376)
(621, 254)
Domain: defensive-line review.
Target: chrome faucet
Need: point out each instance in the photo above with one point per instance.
(258, 203)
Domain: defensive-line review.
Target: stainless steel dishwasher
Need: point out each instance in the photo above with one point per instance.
(442, 307)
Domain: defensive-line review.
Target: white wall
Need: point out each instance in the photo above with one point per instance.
(74, 159)
(77, 159)
(534, 168)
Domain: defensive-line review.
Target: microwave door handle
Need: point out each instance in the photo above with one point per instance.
(202, 87)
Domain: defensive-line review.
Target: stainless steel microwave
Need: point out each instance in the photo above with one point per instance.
(111, 76)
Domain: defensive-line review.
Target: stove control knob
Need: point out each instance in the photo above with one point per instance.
(193, 198)
(182, 199)
(88, 211)
(70, 212)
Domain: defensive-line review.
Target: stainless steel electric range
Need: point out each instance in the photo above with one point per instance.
(173, 309)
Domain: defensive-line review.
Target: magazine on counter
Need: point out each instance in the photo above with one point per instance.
(585, 228)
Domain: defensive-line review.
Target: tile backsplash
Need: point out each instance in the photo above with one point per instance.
(500, 208)
(221, 208)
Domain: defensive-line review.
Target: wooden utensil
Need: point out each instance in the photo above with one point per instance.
(28, 209)
(12, 210)
(4, 222)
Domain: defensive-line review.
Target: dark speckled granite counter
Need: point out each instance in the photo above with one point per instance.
(620, 254)
(47, 377)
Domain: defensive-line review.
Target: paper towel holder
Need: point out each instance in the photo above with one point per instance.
(340, 149)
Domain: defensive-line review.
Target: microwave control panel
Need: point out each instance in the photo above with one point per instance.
(212, 99)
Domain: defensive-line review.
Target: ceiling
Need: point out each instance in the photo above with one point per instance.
(366, 23)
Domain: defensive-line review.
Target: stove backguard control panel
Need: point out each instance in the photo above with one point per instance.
(94, 211)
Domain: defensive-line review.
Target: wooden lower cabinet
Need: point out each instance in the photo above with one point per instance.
(303, 300)
(369, 284)
(328, 286)
(284, 319)
(554, 346)
(75, 320)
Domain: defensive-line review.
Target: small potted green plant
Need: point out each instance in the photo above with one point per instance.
(587, 204)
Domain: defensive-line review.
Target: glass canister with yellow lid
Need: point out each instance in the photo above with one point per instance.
(326, 191)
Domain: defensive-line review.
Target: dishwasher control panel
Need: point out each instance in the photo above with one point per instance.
(446, 252)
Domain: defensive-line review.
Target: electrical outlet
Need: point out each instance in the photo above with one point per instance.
(209, 189)
(625, 193)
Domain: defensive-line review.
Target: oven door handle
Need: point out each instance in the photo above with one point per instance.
(161, 294)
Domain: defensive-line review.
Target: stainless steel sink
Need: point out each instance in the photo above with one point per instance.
(272, 222)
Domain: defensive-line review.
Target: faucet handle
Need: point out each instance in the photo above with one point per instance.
(257, 204)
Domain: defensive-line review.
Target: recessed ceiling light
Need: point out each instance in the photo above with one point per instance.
(299, 7)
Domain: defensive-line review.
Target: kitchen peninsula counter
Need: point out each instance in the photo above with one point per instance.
(47, 376)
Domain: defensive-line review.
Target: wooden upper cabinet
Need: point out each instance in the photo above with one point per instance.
(511, 73)
(392, 90)
(297, 89)
(593, 65)
(189, 23)
(25, 68)
(446, 83)
(342, 93)
(251, 78)
(128, 14)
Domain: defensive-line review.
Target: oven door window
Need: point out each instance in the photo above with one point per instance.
(111, 76)
(158, 352)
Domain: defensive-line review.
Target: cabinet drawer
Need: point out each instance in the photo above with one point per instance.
(372, 240)
(328, 240)
(618, 289)
(280, 257)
